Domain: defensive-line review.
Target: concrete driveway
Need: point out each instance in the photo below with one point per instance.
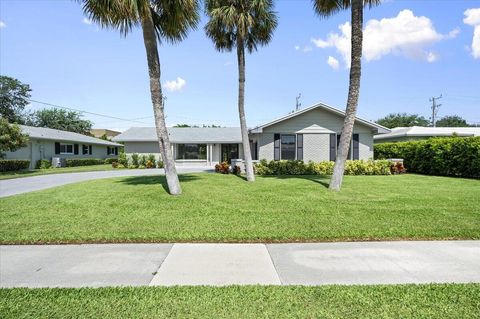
(22, 185)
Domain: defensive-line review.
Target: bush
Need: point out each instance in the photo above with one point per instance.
(444, 156)
(71, 162)
(142, 160)
(151, 158)
(134, 161)
(122, 159)
(357, 167)
(110, 160)
(160, 164)
(115, 164)
(13, 165)
(43, 164)
(150, 164)
(222, 168)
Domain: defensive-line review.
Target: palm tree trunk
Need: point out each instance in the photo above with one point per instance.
(241, 111)
(153, 59)
(353, 93)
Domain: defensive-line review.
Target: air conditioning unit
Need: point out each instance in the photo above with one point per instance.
(59, 162)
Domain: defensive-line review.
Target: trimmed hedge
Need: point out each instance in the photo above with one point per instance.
(43, 164)
(71, 162)
(13, 165)
(445, 156)
(357, 167)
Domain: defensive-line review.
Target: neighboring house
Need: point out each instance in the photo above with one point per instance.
(402, 134)
(46, 143)
(310, 134)
(99, 132)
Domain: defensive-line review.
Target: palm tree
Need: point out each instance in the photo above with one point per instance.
(243, 24)
(160, 20)
(326, 8)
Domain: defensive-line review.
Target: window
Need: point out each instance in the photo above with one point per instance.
(192, 151)
(112, 150)
(288, 147)
(349, 156)
(87, 149)
(66, 148)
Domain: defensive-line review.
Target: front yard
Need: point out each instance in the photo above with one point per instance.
(225, 208)
(35, 172)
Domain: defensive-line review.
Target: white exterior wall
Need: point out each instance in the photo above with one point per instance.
(366, 146)
(314, 146)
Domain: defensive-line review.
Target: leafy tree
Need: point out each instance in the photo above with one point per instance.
(326, 8)
(14, 97)
(62, 120)
(160, 20)
(182, 125)
(403, 120)
(11, 137)
(241, 24)
(452, 121)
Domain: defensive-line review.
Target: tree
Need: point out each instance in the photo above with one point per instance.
(326, 8)
(243, 24)
(62, 120)
(452, 121)
(160, 20)
(14, 97)
(11, 137)
(403, 120)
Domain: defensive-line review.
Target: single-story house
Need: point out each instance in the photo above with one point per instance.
(47, 143)
(310, 134)
(403, 134)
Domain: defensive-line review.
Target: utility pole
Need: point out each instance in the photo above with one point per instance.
(298, 104)
(435, 107)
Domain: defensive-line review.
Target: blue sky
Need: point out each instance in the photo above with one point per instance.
(420, 49)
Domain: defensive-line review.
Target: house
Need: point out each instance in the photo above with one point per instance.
(310, 134)
(403, 134)
(47, 143)
(100, 132)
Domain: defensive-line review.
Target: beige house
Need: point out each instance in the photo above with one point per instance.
(46, 143)
(310, 134)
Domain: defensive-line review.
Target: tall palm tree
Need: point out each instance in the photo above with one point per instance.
(326, 8)
(168, 20)
(243, 24)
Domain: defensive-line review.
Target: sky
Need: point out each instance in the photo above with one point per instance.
(413, 50)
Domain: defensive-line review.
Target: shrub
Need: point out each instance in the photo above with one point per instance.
(149, 164)
(152, 159)
(222, 168)
(115, 164)
(13, 165)
(236, 170)
(110, 160)
(122, 159)
(43, 164)
(134, 161)
(357, 167)
(444, 156)
(71, 162)
(160, 164)
(142, 161)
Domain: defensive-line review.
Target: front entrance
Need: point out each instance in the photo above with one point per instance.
(229, 152)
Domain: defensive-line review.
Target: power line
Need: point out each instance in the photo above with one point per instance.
(92, 113)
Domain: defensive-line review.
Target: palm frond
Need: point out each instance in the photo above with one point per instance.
(327, 8)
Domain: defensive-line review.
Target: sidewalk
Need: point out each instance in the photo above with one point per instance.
(227, 264)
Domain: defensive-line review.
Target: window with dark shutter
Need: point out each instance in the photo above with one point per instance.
(116, 150)
(333, 147)
(90, 149)
(276, 147)
(356, 147)
(75, 149)
(300, 147)
(57, 148)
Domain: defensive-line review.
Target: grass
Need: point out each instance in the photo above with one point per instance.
(395, 301)
(35, 172)
(225, 208)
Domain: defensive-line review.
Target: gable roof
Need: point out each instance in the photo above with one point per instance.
(45, 133)
(183, 135)
(379, 128)
(420, 131)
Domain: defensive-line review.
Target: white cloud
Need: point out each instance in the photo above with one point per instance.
(297, 47)
(307, 49)
(472, 17)
(334, 64)
(175, 85)
(87, 21)
(3, 24)
(405, 34)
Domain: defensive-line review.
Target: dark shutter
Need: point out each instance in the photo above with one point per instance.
(116, 150)
(333, 147)
(276, 147)
(57, 148)
(75, 149)
(300, 147)
(356, 147)
(108, 150)
(90, 149)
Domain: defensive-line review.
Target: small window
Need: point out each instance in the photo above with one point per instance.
(111, 150)
(85, 149)
(66, 148)
(288, 147)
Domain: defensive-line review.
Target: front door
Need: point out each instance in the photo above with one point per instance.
(229, 152)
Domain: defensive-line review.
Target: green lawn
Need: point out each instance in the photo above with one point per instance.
(396, 301)
(35, 172)
(225, 208)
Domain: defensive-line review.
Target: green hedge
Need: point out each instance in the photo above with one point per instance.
(110, 160)
(43, 164)
(71, 162)
(13, 165)
(357, 167)
(447, 156)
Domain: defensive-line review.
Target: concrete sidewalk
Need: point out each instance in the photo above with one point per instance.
(227, 264)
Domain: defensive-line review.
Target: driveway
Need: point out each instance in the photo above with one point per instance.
(22, 185)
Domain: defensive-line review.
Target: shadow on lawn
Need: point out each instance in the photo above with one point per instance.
(156, 180)
(319, 179)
